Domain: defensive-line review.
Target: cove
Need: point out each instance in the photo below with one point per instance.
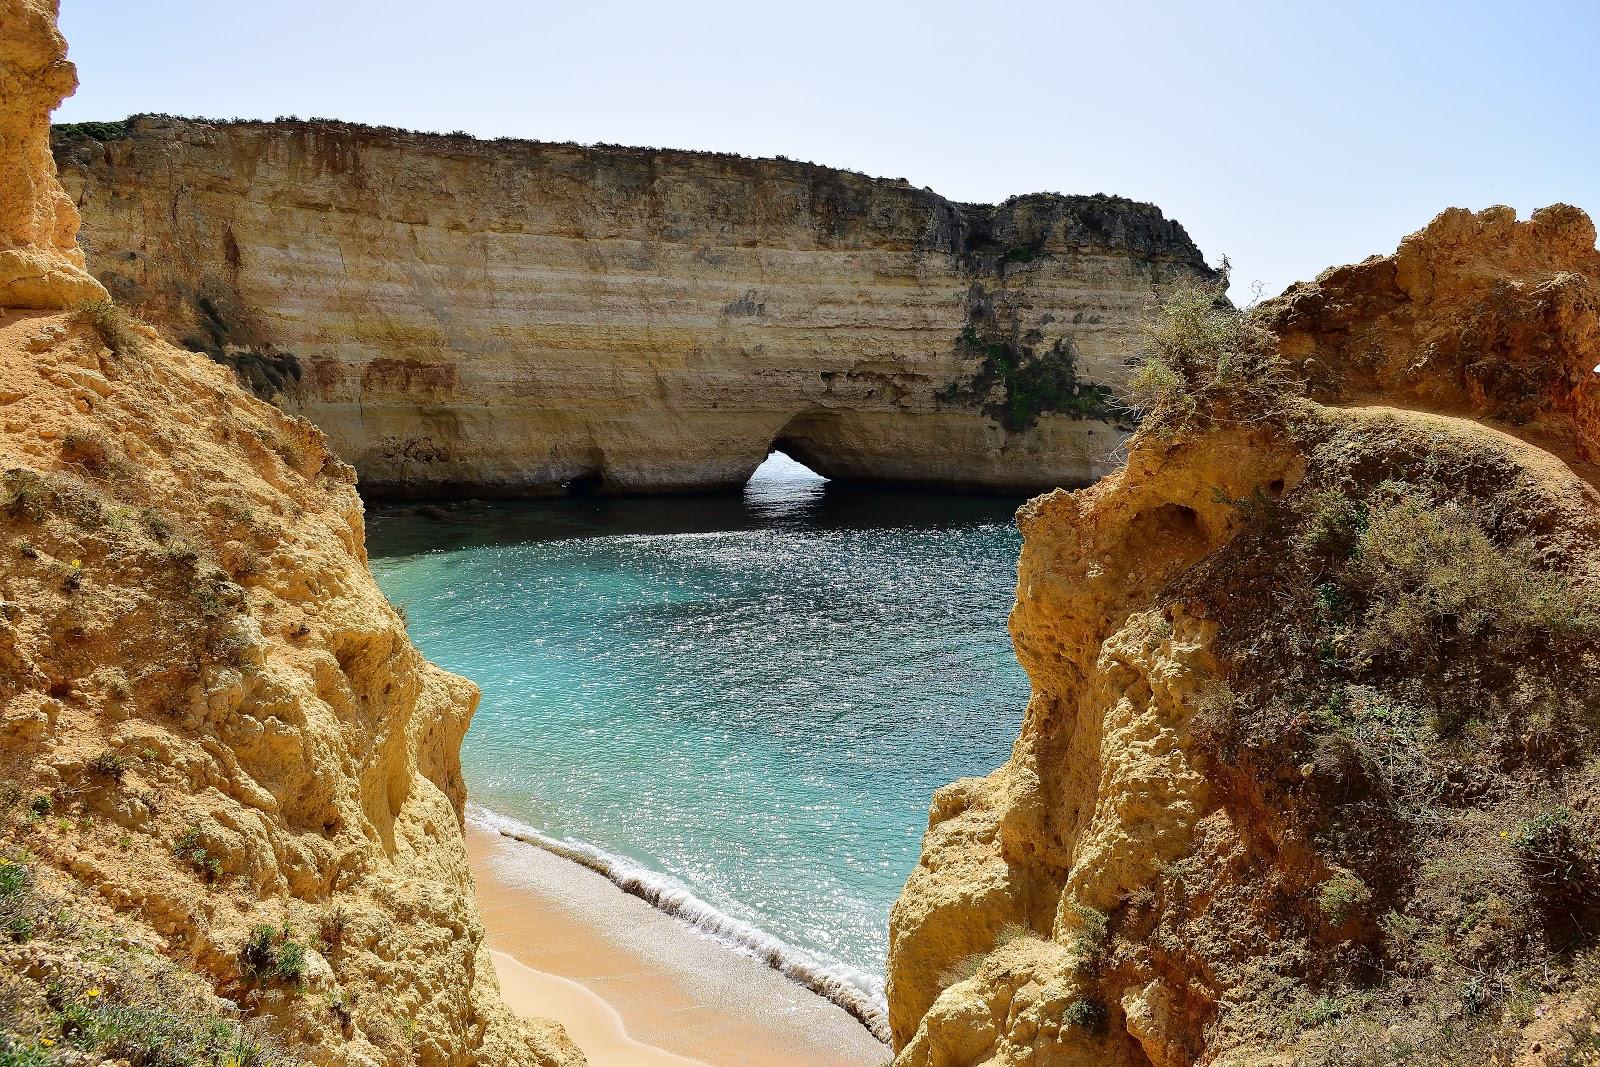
(750, 698)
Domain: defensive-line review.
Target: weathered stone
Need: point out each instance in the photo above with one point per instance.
(40, 263)
(511, 317)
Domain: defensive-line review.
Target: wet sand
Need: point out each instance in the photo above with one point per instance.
(637, 988)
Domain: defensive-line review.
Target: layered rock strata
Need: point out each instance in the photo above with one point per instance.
(512, 317)
(1308, 771)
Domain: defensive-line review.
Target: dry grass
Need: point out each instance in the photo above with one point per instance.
(1430, 577)
(1205, 363)
(1413, 655)
(114, 326)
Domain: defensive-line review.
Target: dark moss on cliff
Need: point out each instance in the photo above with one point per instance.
(219, 333)
(1030, 383)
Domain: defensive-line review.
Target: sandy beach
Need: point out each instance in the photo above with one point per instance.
(636, 988)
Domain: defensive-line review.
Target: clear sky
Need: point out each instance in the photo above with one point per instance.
(1287, 136)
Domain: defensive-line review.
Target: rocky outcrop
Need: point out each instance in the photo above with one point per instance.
(1308, 766)
(211, 720)
(40, 263)
(514, 317)
(1477, 314)
(230, 788)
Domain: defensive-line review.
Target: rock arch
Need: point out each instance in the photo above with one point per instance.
(633, 320)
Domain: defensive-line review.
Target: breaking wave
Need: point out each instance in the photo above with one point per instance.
(855, 992)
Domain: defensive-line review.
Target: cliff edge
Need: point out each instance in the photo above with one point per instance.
(1309, 770)
(230, 792)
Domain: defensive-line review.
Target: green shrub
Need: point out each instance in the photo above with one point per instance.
(1030, 383)
(1088, 1013)
(1334, 522)
(1206, 363)
(191, 849)
(270, 954)
(1341, 896)
(114, 326)
(1559, 860)
(1431, 576)
(97, 131)
(16, 1052)
(291, 963)
(20, 912)
(14, 879)
(1093, 934)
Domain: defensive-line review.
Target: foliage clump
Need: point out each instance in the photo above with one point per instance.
(114, 326)
(1340, 896)
(1028, 383)
(271, 954)
(1206, 363)
(1431, 576)
(191, 849)
(95, 131)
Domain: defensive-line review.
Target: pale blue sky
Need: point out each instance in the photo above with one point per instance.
(1289, 136)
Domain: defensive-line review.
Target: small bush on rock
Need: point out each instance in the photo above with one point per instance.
(1206, 363)
(270, 954)
(114, 326)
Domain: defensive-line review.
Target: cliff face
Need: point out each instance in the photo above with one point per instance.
(214, 722)
(229, 785)
(513, 317)
(40, 263)
(1308, 770)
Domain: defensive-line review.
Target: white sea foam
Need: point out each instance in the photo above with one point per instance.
(856, 992)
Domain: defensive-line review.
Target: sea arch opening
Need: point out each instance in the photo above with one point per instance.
(814, 440)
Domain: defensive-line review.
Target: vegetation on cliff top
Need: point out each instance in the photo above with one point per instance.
(1411, 650)
(95, 131)
(1204, 363)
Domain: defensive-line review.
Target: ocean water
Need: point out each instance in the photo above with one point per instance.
(742, 704)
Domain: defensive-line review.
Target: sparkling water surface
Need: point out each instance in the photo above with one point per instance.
(755, 694)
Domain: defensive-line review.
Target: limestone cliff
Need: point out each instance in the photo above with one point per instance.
(513, 317)
(1309, 770)
(212, 724)
(230, 794)
(40, 263)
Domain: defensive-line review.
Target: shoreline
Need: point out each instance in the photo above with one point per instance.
(640, 987)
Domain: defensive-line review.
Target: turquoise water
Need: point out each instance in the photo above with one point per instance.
(753, 697)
